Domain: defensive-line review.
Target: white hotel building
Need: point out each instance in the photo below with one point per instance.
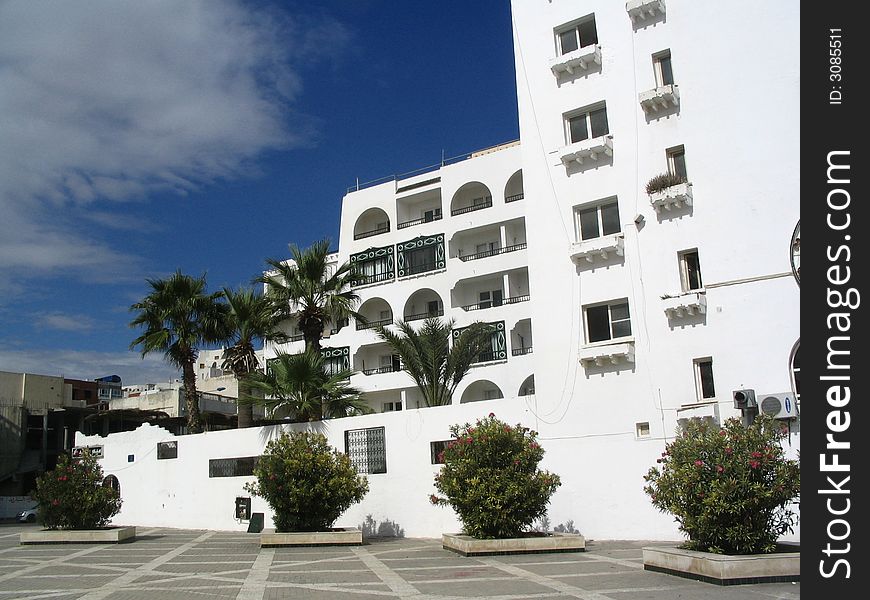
(617, 312)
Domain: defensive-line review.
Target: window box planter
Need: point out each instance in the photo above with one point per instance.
(110, 535)
(640, 10)
(725, 569)
(660, 98)
(578, 60)
(587, 150)
(601, 247)
(691, 303)
(676, 196)
(348, 536)
(533, 544)
(600, 354)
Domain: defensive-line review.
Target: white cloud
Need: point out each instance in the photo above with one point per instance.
(72, 364)
(111, 100)
(64, 322)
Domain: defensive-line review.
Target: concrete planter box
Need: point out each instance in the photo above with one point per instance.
(113, 535)
(349, 536)
(725, 569)
(552, 542)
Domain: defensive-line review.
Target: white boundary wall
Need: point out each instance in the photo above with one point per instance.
(602, 476)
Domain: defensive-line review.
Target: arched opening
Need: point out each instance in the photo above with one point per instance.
(527, 388)
(110, 481)
(482, 389)
(373, 221)
(513, 191)
(470, 197)
(375, 311)
(423, 304)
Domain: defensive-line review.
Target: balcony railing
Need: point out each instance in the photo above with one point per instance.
(389, 369)
(514, 198)
(491, 303)
(425, 315)
(418, 221)
(521, 351)
(487, 202)
(488, 253)
(374, 278)
(487, 356)
(297, 338)
(421, 268)
(372, 324)
(365, 234)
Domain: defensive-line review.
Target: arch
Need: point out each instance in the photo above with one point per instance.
(513, 190)
(110, 481)
(423, 303)
(373, 221)
(482, 389)
(527, 387)
(794, 367)
(470, 197)
(376, 311)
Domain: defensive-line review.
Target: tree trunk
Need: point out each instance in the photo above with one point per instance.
(191, 397)
(245, 408)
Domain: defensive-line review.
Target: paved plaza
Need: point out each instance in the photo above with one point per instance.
(173, 563)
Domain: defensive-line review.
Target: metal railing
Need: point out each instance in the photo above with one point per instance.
(419, 221)
(425, 315)
(370, 233)
(521, 351)
(514, 198)
(375, 278)
(389, 369)
(487, 356)
(487, 202)
(417, 269)
(297, 338)
(495, 251)
(372, 324)
(492, 303)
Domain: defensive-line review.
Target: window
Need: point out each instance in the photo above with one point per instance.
(491, 394)
(366, 449)
(581, 124)
(392, 406)
(436, 449)
(379, 269)
(662, 67)
(677, 162)
(690, 271)
(598, 220)
(607, 322)
(577, 35)
(384, 315)
(431, 215)
(490, 298)
(704, 378)
(641, 429)
(434, 309)
(490, 247)
(167, 450)
(232, 467)
(335, 360)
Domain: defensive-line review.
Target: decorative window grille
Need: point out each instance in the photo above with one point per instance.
(420, 255)
(498, 343)
(232, 467)
(367, 449)
(335, 360)
(166, 450)
(374, 265)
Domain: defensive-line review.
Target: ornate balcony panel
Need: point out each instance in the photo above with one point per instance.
(437, 258)
(676, 196)
(498, 348)
(375, 265)
(662, 97)
(598, 248)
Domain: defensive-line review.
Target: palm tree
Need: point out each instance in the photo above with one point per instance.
(251, 319)
(178, 317)
(307, 289)
(303, 384)
(434, 365)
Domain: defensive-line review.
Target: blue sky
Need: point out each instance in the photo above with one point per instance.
(138, 138)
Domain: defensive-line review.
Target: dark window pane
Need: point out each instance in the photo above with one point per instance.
(598, 323)
(619, 317)
(589, 223)
(568, 41)
(435, 449)
(497, 297)
(678, 163)
(667, 74)
(693, 271)
(621, 329)
(578, 128)
(610, 218)
(588, 33)
(705, 373)
(599, 122)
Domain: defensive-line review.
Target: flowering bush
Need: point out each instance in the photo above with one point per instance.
(663, 182)
(307, 483)
(73, 495)
(728, 487)
(491, 479)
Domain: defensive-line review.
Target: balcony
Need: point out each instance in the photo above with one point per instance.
(612, 353)
(593, 149)
(577, 61)
(370, 233)
(521, 351)
(494, 252)
(379, 370)
(360, 326)
(421, 220)
(688, 304)
(601, 247)
(675, 196)
(662, 97)
(640, 10)
(514, 198)
(425, 315)
(484, 203)
(492, 303)
(374, 278)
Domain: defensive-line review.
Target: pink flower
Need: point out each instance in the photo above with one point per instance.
(534, 445)
(699, 463)
(722, 432)
(754, 464)
(720, 469)
(756, 455)
(491, 415)
(55, 502)
(729, 451)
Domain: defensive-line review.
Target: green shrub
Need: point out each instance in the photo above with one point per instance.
(491, 478)
(73, 495)
(663, 182)
(307, 483)
(729, 488)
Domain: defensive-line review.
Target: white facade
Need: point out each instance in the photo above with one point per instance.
(611, 335)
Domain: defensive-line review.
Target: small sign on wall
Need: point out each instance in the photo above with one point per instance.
(167, 450)
(79, 451)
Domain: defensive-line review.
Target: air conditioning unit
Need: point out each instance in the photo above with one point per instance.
(744, 399)
(778, 406)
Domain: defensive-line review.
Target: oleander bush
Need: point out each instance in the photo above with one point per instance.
(307, 483)
(729, 488)
(662, 182)
(73, 495)
(491, 478)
